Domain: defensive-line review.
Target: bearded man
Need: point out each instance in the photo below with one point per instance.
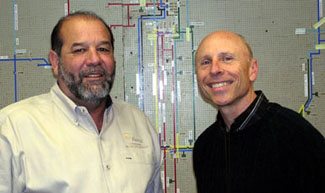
(75, 139)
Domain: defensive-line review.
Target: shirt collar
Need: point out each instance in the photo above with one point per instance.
(250, 115)
(67, 105)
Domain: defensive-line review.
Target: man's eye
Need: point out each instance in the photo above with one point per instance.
(205, 62)
(80, 50)
(104, 49)
(227, 59)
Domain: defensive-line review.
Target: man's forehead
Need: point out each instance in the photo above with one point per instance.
(223, 43)
(80, 25)
(77, 22)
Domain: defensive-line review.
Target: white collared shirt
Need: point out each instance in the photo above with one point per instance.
(49, 144)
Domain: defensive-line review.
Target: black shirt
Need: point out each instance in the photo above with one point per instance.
(269, 148)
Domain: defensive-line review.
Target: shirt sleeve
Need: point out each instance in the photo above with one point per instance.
(155, 185)
(12, 174)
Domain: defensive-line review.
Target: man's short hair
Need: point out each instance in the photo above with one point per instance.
(56, 40)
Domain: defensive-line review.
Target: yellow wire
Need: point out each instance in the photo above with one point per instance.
(302, 110)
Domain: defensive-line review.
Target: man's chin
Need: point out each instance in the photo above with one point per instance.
(94, 98)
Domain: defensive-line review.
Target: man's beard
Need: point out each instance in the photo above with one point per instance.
(87, 93)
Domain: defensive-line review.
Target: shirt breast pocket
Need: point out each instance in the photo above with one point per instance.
(138, 156)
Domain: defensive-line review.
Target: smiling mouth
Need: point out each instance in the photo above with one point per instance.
(221, 84)
(93, 75)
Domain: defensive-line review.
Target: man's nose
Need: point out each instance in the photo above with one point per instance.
(93, 57)
(216, 67)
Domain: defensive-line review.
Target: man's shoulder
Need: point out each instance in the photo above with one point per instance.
(283, 121)
(208, 135)
(128, 111)
(285, 115)
(24, 106)
(125, 107)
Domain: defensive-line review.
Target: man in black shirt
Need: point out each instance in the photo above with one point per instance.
(255, 145)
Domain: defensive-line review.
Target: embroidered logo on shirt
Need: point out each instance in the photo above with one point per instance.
(134, 141)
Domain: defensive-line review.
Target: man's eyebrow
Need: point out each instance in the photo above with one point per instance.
(105, 43)
(220, 54)
(77, 44)
(83, 44)
(225, 54)
(203, 57)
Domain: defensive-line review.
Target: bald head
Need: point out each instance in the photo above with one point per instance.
(226, 71)
(226, 36)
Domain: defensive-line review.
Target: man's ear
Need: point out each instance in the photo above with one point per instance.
(253, 69)
(54, 60)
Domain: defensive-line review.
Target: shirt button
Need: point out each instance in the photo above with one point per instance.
(108, 167)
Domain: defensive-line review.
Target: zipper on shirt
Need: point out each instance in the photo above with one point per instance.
(228, 166)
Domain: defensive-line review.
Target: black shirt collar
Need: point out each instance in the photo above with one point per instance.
(249, 116)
